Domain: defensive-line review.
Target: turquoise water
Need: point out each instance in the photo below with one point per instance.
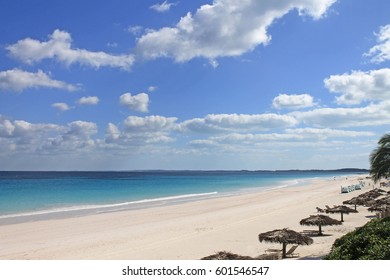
(28, 194)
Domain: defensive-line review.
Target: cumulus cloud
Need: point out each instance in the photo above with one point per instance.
(19, 80)
(141, 131)
(23, 135)
(59, 47)
(360, 86)
(77, 136)
(215, 123)
(371, 115)
(293, 101)
(223, 28)
(61, 106)
(139, 102)
(163, 7)
(112, 133)
(381, 52)
(81, 129)
(88, 100)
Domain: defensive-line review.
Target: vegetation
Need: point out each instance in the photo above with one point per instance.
(380, 159)
(370, 242)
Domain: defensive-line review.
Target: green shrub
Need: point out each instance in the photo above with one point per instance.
(370, 242)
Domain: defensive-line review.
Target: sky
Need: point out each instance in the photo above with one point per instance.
(205, 85)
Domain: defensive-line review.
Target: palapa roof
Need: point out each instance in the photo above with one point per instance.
(316, 220)
(285, 236)
(371, 194)
(224, 255)
(356, 200)
(341, 208)
(384, 200)
(379, 208)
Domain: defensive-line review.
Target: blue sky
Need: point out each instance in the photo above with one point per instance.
(223, 84)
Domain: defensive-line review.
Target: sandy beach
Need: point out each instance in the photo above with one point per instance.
(187, 231)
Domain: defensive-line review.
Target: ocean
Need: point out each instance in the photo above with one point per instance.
(42, 195)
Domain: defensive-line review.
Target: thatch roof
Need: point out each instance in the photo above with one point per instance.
(379, 208)
(358, 200)
(285, 236)
(375, 193)
(224, 255)
(384, 200)
(341, 209)
(316, 220)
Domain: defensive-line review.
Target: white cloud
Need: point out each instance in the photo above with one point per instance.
(88, 100)
(163, 7)
(360, 86)
(25, 135)
(77, 136)
(296, 134)
(19, 80)
(59, 47)
(293, 101)
(61, 106)
(381, 52)
(112, 44)
(138, 135)
(371, 115)
(139, 102)
(250, 138)
(82, 129)
(152, 88)
(325, 133)
(215, 123)
(135, 29)
(286, 142)
(7, 128)
(149, 123)
(141, 131)
(112, 133)
(223, 28)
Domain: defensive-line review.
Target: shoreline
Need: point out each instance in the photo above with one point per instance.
(92, 209)
(186, 231)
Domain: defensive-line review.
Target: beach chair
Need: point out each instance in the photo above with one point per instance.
(290, 253)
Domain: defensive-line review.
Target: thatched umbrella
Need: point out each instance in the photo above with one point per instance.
(223, 255)
(319, 220)
(379, 208)
(358, 200)
(371, 194)
(341, 209)
(285, 236)
(384, 200)
(369, 202)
